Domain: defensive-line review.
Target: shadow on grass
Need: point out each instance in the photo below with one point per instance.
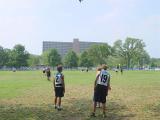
(156, 111)
(118, 112)
(75, 110)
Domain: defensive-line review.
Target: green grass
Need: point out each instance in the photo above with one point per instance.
(27, 95)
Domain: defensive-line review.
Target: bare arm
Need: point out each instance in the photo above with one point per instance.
(109, 87)
(95, 82)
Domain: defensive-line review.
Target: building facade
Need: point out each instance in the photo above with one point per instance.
(63, 47)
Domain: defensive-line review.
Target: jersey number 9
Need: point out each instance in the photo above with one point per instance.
(104, 78)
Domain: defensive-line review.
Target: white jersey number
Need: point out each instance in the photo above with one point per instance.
(58, 79)
(103, 78)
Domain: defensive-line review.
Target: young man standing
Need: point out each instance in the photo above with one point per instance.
(59, 87)
(101, 87)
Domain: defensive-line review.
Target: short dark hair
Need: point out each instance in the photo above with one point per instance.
(59, 68)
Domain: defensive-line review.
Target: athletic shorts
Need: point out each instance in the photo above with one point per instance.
(48, 74)
(59, 91)
(100, 93)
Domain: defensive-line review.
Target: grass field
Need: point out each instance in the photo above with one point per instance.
(27, 95)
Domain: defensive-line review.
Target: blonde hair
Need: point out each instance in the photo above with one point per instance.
(104, 66)
(99, 68)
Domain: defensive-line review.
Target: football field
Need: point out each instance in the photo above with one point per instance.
(27, 95)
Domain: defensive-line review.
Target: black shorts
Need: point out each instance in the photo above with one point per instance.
(48, 74)
(59, 91)
(100, 93)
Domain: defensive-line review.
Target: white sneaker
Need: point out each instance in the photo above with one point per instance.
(59, 108)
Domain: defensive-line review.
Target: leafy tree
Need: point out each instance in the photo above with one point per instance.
(33, 60)
(11, 58)
(85, 61)
(19, 56)
(2, 56)
(71, 59)
(114, 60)
(99, 53)
(51, 57)
(155, 62)
(142, 59)
(8, 58)
(131, 51)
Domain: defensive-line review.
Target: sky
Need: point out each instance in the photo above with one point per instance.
(30, 22)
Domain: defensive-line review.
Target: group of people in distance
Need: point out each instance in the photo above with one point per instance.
(119, 68)
(101, 87)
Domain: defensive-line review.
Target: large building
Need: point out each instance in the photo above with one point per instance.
(63, 47)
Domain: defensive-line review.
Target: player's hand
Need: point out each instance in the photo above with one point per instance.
(109, 88)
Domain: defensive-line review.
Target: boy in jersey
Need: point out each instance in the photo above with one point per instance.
(59, 87)
(101, 87)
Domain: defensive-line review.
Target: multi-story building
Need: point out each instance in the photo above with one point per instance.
(63, 47)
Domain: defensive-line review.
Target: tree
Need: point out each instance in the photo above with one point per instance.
(155, 62)
(33, 60)
(51, 57)
(8, 59)
(113, 61)
(142, 59)
(2, 56)
(19, 56)
(85, 61)
(71, 59)
(131, 51)
(99, 53)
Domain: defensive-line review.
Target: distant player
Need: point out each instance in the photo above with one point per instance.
(59, 87)
(14, 69)
(101, 87)
(116, 70)
(87, 70)
(48, 73)
(121, 69)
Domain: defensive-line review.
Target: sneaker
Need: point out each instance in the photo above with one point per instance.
(92, 114)
(59, 108)
(55, 106)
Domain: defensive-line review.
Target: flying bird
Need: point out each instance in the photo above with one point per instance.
(80, 0)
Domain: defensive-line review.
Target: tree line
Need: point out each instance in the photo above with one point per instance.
(130, 53)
